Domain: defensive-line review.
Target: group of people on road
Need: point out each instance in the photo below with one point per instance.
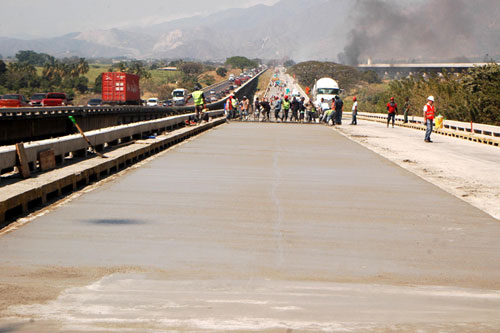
(297, 109)
(235, 108)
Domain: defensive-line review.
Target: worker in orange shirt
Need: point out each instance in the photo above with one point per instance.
(429, 113)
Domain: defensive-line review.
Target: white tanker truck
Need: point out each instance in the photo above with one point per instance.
(325, 88)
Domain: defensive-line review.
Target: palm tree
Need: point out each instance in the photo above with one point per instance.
(83, 66)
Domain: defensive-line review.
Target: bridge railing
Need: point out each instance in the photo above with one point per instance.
(460, 126)
(62, 146)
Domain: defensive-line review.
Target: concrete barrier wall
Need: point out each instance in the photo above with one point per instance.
(74, 143)
(31, 194)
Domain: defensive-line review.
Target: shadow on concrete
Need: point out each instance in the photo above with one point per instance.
(114, 222)
(11, 328)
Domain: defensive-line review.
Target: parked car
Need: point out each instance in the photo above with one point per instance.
(94, 102)
(168, 102)
(13, 101)
(153, 102)
(55, 99)
(213, 99)
(36, 99)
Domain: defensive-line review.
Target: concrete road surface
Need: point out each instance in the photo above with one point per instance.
(268, 227)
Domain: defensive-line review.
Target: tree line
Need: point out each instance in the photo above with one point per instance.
(64, 75)
(39, 72)
(470, 96)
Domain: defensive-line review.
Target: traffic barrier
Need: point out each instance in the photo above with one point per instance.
(25, 196)
(486, 134)
(99, 138)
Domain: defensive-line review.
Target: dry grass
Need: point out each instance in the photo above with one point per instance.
(263, 82)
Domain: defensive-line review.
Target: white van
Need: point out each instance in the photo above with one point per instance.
(325, 88)
(179, 96)
(153, 101)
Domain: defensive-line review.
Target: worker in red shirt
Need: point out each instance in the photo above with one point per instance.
(392, 109)
(429, 112)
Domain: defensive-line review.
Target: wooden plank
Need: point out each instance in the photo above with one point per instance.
(47, 160)
(22, 160)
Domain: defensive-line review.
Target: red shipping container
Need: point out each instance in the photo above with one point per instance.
(120, 88)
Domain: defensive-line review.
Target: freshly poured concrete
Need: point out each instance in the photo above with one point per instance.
(262, 227)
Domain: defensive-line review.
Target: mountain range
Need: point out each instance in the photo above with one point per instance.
(296, 29)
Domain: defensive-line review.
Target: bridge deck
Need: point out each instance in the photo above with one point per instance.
(256, 226)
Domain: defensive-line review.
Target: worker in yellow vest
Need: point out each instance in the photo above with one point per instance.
(199, 103)
(286, 108)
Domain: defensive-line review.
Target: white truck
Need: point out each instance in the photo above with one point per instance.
(179, 96)
(325, 88)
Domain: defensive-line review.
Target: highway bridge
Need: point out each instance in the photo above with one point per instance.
(258, 226)
(37, 123)
(403, 70)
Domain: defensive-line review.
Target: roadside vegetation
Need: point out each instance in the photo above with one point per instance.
(263, 82)
(34, 72)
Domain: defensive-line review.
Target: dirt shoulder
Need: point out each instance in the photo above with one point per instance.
(468, 170)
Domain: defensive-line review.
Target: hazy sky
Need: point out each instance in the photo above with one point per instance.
(49, 18)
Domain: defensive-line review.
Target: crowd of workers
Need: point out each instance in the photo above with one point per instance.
(285, 109)
(297, 109)
(300, 111)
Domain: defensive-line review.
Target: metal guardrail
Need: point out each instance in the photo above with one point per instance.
(74, 143)
(455, 129)
(454, 125)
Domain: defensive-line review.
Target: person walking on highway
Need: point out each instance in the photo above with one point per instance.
(406, 109)
(310, 110)
(245, 104)
(295, 109)
(199, 104)
(339, 109)
(314, 113)
(354, 111)
(392, 111)
(234, 111)
(277, 108)
(286, 108)
(256, 111)
(266, 109)
(302, 109)
(429, 112)
(228, 107)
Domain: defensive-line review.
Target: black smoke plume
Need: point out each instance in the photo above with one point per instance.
(428, 30)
